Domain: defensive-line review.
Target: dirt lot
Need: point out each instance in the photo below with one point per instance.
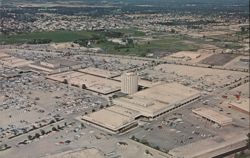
(218, 59)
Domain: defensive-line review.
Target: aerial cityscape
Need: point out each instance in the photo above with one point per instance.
(124, 79)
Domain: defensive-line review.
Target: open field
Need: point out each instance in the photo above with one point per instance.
(172, 43)
(65, 36)
(56, 36)
(164, 44)
(218, 59)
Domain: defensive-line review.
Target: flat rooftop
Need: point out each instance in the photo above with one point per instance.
(141, 82)
(84, 153)
(4, 55)
(62, 62)
(110, 119)
(93, 83)
(169, 93)
(213, 116)
(40, 68)
(158, 99)
(146, 107)
(124, 111)
(243, 104)
(14, 62)
(100, 72)
(211, 147)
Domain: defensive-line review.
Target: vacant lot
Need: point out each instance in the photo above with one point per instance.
(218, 59)
(67, 36)
(172, 44)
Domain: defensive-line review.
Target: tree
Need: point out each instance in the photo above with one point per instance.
(52, 121)
(30, 137)
(37, 135)
(65, 124)
(172, 31)
(145, 142)
(242, 29)
(248, 141)
(42, 132)
(157, 148)
(54, 129)
(82, 125)
(65, 81)
(84, 86)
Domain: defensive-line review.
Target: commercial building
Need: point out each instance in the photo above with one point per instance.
(3, 55)
(129, 83)
(241, 106)
(114, 119)
(213, 116)
(55, 66)
(14, 62)
(149, 103)
(100, 72)
(141, 82)
(57, 63)
(211, 147)
(86, 81)
(157, 100)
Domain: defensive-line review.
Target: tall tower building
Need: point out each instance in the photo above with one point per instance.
(129, 83)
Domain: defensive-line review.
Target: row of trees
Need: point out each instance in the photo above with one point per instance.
(43, 132)
(39, 41)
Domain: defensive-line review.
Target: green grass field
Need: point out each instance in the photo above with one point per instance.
(168, 44)
(171, 43)
(62, 36)
(56, 36)
(242, 156)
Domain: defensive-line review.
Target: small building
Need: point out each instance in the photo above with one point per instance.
(213, 116)
(241, 106)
